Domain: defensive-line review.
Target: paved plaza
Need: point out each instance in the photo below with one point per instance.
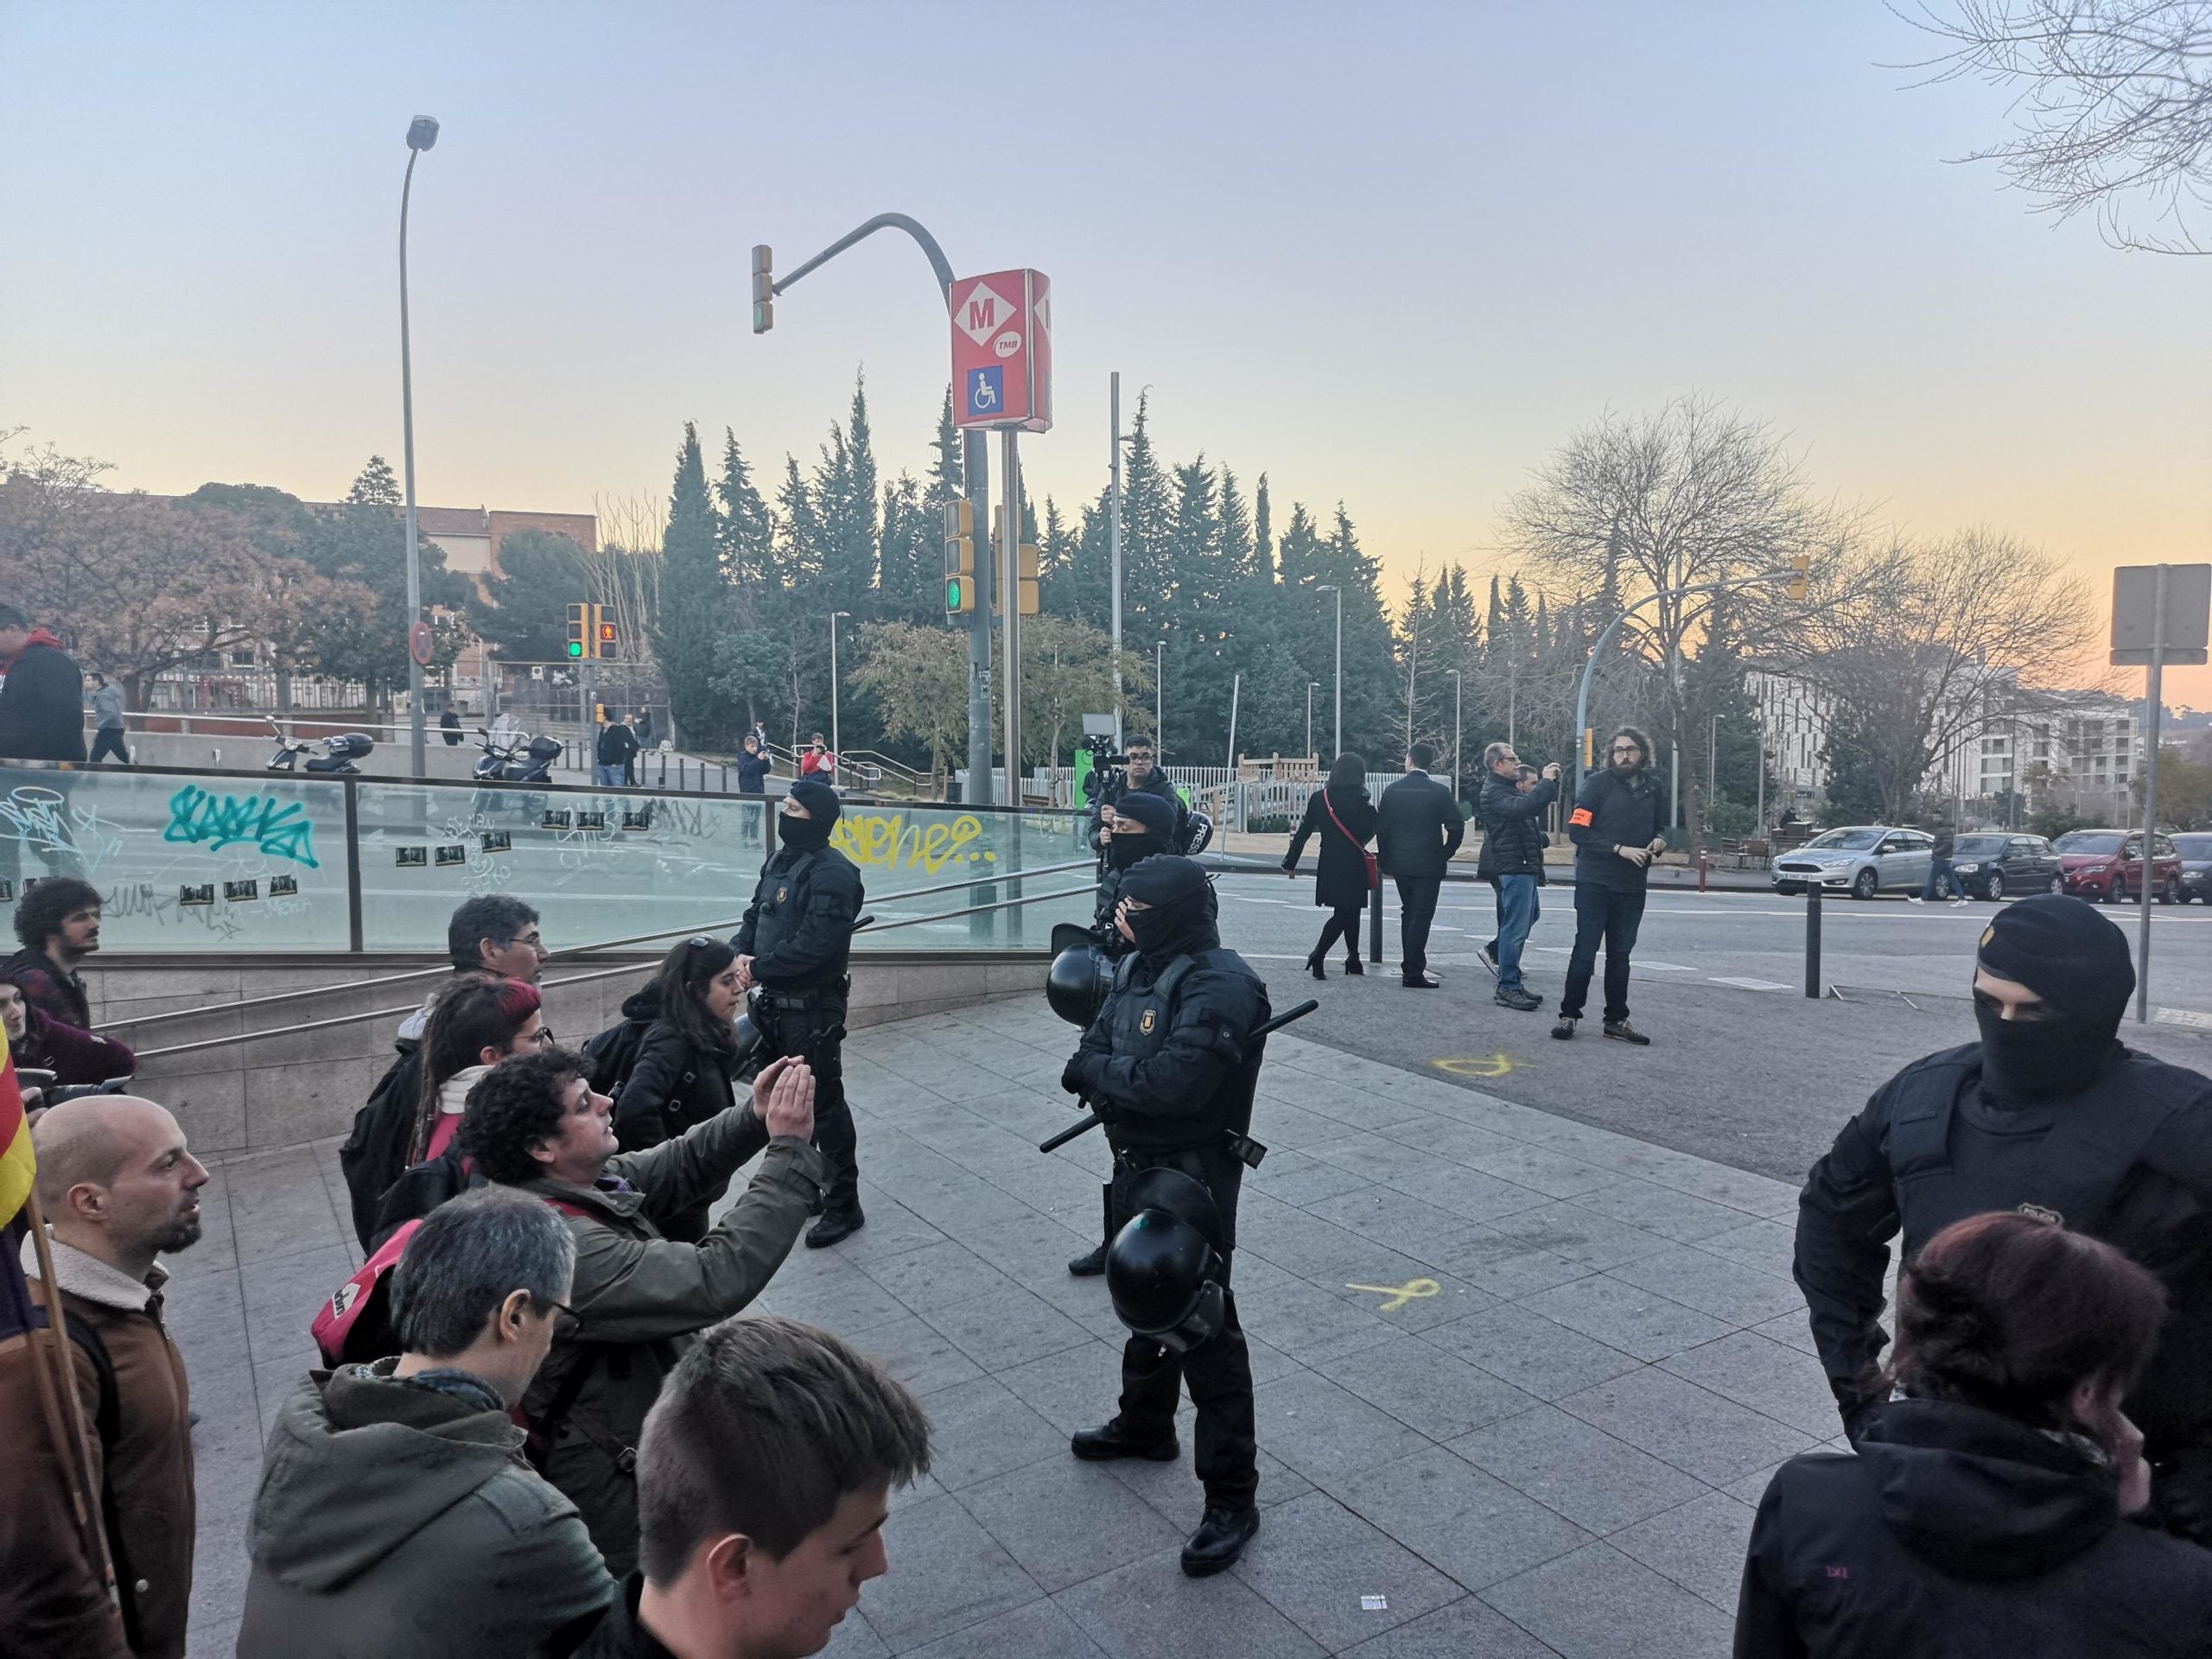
(1520, 1379)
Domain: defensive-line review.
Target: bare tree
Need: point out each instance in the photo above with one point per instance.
(2114, 110)
(1941, 641)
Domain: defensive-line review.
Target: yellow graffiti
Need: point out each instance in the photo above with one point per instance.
(1396, 1296)
(1495, 1066)
(886, 841)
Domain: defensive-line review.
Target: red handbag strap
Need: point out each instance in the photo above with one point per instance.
(1330, 807)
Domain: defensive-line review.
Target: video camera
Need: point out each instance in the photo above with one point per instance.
(1110, 769)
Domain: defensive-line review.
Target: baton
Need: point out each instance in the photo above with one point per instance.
(1091, 1121)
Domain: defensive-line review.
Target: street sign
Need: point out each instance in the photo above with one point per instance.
(1002, 350)
(422, 644)
(2135, 613)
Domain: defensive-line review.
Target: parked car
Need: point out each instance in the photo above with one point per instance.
(2106, 866)
(1861, 859)
(2195, 852)
(1993, 866)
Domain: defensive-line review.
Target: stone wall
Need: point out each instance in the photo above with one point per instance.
(256, 1091)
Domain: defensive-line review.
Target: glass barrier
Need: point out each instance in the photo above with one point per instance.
(199, 861)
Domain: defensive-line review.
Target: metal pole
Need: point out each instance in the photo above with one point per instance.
(1333, 587)
(837, 746)
(1309, 685)
(1459, 753)
(1114, 406)
(1759, 817)
(1413, 669)
(976, 464)
(1812, 939)
(1236, 686)
(1010, 609)
(1375, 926)
(2154, 694)
(1159, 702)
(418, 762)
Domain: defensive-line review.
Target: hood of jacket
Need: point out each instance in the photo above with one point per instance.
(359, 1462)
(1981, 1496)
(643, 1006)
(39, 637)
(453, 1093)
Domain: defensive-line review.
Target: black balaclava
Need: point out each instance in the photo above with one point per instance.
(1180, 916)
(2077, 960)
(812, 832)
(1157, 817)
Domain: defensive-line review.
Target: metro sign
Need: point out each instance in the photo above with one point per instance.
(1002, 350)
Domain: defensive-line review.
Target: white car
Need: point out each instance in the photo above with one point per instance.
(1862, 861)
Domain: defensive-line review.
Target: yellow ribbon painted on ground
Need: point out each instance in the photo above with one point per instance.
(1495, 1066)
(1396, 1296)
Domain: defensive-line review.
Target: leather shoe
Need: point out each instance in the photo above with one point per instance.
(1218, 1541)
(1521, 1001)
(1104, 1444)
(1621, 1032)
(834, 1225)
(1089, 1264)
(1422, 981)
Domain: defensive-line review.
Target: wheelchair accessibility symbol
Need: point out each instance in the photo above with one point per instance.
(986, 389)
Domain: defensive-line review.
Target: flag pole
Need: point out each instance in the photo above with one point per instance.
(56, 1377)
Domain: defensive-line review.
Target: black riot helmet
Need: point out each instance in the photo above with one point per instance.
(1163, 1268)
(1077, 983)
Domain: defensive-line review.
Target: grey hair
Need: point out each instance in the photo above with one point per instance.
(764, 1427)
(1494, 753)
(469, 1256)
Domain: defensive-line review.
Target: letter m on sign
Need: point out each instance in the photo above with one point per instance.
(982, 311)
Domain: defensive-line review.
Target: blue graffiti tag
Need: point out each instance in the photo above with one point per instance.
(220, 821)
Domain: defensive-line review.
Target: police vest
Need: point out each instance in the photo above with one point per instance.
(2079, 1169)
(1137, 1022)
(785, 895)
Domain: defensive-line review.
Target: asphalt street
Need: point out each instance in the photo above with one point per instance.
(1743, 1067)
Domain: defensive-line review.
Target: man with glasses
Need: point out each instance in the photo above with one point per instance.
(1143, 776)
(1512, 861)
(1617, 828)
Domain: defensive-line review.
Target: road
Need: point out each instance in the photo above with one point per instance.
(1743, 1067)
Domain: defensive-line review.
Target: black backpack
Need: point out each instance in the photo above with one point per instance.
(613, 1053)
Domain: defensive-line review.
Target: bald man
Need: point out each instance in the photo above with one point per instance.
(119, 1189)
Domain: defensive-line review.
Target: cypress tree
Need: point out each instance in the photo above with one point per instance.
(692, 599)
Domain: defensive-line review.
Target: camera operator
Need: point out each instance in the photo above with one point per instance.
(1141, 776)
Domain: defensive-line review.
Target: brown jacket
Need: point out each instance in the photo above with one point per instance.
(144, 1462)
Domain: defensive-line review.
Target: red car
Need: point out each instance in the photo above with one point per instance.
(2106, 866)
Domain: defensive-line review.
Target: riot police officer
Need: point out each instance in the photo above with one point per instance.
(794, 943)
(2050, 1115)
(1170, 1067)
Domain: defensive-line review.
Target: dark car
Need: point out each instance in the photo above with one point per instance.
(2196, 850)
(1994, 866)
(2107, 865)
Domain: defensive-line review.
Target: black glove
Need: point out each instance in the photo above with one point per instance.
(2181, 1494)
(1082, 1071)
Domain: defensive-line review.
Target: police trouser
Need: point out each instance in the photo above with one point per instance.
(1219, 1371)
(811, 1026)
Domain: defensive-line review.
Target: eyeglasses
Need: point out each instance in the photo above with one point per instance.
(558, 1307)
(534, 940)
(542, 1037)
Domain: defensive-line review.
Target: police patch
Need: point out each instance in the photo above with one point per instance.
(780, 892)
(2042, 1212)
(1145, 1024)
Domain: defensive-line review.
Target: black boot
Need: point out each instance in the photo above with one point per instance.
(1354, 966)
(839, 1221)
(1104, 1444)
(1220, 1539)
(1313, 966)
(1089, 1264)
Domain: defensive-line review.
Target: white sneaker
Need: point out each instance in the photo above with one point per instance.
(1914, 899)
(1956, 903)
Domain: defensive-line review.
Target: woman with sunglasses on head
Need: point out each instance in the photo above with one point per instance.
(687, 1060)
(475, 1022)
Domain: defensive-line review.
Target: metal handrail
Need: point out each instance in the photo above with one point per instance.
(275, 998)
(574, 979)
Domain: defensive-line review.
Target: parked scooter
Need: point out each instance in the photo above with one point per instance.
(340, 753)
(527, 760)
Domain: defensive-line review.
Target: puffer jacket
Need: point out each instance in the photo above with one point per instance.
(1513, 831)
(398, 1516)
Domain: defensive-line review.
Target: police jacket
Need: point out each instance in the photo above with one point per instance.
(1613, 813)
(1157, 783)
(2127, 1160)
(1168, 1063)
(1955, 1532)
(1513, 827)
(798, 928)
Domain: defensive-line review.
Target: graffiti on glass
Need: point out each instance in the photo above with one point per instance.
(281, 830)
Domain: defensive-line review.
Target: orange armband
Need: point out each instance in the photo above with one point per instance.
(1582, 817)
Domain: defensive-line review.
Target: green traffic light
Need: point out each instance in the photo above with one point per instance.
(952, 593)
(576, 647)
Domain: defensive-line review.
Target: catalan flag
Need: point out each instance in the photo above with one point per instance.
(17, 1164)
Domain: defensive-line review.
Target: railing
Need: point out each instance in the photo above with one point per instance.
(191, 861)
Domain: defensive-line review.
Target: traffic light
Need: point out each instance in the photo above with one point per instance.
(1028, 570)
(959, 556)
(764, 289)
(604, 639)
(1801, 567)
(578, 630)
(1589, 748)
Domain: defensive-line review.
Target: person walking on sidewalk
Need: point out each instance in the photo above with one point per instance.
(1417, 828)
(1940, 872)
(1341, 815)
(1617, 828)
(1513, 863)
(107, 721)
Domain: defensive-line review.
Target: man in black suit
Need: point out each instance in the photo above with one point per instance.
(1418, 828)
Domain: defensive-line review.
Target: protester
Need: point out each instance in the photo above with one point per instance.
(1618, 826)
(1985, 1511)
(397, 1513)
(58, 923)
(495, 934)
(617, 745)
(534, 1124)
(686, 1062)
(1417, 828)
(42, 694)
(764, 1480)
(107, 721)
(753, 765)
(1341, 815)
(2048, 1114)
(41, 1043)
(119, 1189)
(1512, 861)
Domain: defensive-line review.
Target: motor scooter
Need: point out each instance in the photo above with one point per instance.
(527, 760)
(340, 753)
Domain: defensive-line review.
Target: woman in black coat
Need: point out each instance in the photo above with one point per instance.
(687, 1060)
(1340, 883)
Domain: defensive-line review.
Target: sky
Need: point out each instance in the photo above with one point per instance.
(1393, 254)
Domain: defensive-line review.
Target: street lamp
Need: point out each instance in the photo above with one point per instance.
(1311, 686)
(1332, 587)
(837, 746)
(1457, 757)
(1160, 699)
(421, 133)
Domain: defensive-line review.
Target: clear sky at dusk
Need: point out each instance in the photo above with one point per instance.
(1392, 254)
